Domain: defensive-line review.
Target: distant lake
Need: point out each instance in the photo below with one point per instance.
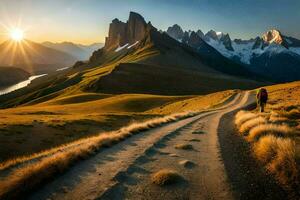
(20, 84)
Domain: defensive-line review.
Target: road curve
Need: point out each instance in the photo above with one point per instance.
(122, 171)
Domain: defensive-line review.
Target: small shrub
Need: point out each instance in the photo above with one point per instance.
(291, 114)
(245, 127)
(265, 149)
(278, 155)
(284, 165)
(269, 129)
(165, 177)
(184, 146)
(278, 119)
(243, 116)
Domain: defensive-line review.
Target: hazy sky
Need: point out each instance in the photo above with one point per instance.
(86, 21)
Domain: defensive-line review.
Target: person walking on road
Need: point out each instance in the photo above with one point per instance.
(262, 98)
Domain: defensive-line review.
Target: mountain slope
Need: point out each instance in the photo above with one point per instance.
(33, 57)
(273, 55)
(12, 75)
(137, 58)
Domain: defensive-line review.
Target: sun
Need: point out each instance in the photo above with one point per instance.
(17, 34)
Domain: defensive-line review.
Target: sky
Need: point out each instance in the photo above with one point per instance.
(87, 21)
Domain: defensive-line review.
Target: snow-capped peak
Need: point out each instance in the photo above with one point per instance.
(220, 34)
(211, 35)
(272, 36)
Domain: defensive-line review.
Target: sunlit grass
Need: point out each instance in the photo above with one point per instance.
(278, 154)
(269, 129)
(31, 175)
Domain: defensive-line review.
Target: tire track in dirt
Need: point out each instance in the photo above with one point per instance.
(98, 175)
(204, 178)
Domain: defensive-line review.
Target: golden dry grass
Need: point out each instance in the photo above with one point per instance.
(269, 129)
(274, 143)
(165, 177)
(278, 119)
(184, 146)
(243, 116)
(18, 160)
(27, 177)
(75, 115)
(290, 114)
(278, 155)
(195, 103)
(248, 125)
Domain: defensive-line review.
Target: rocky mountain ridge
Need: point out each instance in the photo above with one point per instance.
(122, 33)
(269, 54)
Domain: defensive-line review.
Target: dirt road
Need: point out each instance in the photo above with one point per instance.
(123, 171)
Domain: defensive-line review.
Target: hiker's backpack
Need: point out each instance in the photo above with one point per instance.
(263, 95)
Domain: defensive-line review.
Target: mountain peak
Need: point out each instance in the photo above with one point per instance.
(273, 36)
(136, 16)
(211, 34)
(225, 39)
(200, 33)
(121, 33)
(175, 32)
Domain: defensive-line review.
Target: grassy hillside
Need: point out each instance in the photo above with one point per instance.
(285, 106)
(28, 129)
(12, 75)
(275, 135)
(154, 79)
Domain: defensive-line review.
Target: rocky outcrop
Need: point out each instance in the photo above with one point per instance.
(116, 34)
(211, 35)
(136, 28)
(195, 40)
(175, 32)
(200, 33)
(121, 33)
(240, 41)
(225, 39)
(272, 36)
(275, 37)
(186, 37)
(258, 43)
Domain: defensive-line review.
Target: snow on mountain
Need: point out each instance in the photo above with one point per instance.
(133, 44)
(272, 36)
(295, 50)
(220, 47)
(272, 55)
(270, 43)
(119, 48)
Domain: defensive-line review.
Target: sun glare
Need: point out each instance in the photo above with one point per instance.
(17, 34)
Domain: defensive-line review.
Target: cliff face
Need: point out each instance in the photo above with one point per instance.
(225, 39)
(121, 33)
(116, 34)
(175, 32)
(195, 40)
